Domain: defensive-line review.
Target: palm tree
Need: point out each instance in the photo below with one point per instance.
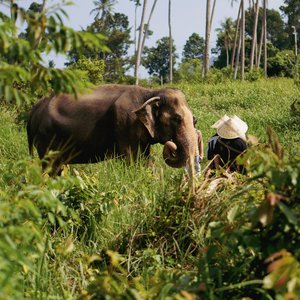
(139, 48)
(137, 3)
(147, 26)
(236, 35)
(103, 9)
(208, 26)
(242, 33)
(227, 31)
(260, 46)
(170, 44)
(207, 38)
(254, 36)
(237, 57)
(265, 35)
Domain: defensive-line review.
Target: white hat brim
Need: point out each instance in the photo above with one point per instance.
(242, 125)
(219, 123)
(232, 129)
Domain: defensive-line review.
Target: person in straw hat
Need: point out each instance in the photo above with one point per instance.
(228, 143)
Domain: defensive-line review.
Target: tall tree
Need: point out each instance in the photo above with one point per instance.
(276, 29)
(157, 60)
(291, 9)
(170, 44)
(139, 47)
(208, 26)
(103, 9)
(147, 26)
(254, 35)
(225, 37)
(236, 35)
(242, 33)
(265, 36)
(207, 37)
(261, 42)
(22, 69)
(237, 55)
(137, 3)
(194, 47)
(117, 31)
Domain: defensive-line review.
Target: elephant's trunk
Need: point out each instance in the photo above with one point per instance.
(171, 155)
(181, 150)
(177, 156)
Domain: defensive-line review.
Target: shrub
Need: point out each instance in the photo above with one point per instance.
(282, 64)
(94, 68)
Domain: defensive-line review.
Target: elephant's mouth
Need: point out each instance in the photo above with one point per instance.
(172, 156)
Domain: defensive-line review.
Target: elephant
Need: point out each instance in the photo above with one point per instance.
(112, 120)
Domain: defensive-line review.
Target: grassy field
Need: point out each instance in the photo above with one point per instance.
(118, 231)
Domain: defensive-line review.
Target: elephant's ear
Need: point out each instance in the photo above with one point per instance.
(145, 114)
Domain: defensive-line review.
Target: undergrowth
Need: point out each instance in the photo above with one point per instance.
(115, 230)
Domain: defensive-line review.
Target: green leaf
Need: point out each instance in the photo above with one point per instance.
(232, 213)
(288, 213)
(51, 218)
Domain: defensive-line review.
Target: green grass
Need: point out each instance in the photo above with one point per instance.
(57, 234)
(260, 104)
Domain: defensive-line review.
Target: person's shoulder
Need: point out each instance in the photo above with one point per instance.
(238, 142)
(214, 137)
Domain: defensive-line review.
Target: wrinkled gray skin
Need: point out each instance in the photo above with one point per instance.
(112, 120)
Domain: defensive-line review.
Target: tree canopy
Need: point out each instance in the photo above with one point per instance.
(108, 39)
(22, 67)
(194, 47)
(116, 29)
(156, 59)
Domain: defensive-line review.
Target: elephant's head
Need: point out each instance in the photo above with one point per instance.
(169, 121)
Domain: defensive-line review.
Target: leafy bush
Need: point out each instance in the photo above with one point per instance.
(94, 69)
(190, 70)
(282, 64)
(22, 68)
(260, 230)
(114, 230)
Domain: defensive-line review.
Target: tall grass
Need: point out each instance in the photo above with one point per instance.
(115, 230)
(260, 104)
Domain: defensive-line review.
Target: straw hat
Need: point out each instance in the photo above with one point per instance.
(233, 128)
(220, 122)
(243, 125)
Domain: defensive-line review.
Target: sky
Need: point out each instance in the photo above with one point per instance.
(187, 17)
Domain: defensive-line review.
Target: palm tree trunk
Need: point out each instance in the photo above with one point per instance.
(237, 58)
(265, 37)
(170, 45)
(254, 36)
(260, 47)
(207, 38)
(227, 54)
(243, 40)
(139, 50)
(148, 26)
(135, 28)
(212, 13)
(236, 37)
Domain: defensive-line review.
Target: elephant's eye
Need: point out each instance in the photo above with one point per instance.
(177, 119)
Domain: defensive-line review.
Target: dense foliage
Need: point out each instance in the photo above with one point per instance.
(116, 29)
(22, 68)
(119, 231)
(193, 47)
(157, 61)
(115, 230)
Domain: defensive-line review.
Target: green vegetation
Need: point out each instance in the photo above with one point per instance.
(127, 231)
(118, 231)
(23, 74)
